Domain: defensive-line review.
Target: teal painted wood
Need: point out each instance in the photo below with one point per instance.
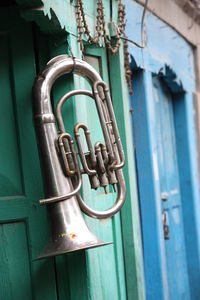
(15, 279)
(72, 281)
(71, 269)
(117, 264)
(21, 218)
(105, 264)
(11, 177)
(59, 16)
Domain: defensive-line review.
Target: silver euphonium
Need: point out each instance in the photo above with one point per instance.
(62, 175)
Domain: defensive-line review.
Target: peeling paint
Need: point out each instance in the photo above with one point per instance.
(159, 36)
(174, 192)
(155, 166)
(175, 215)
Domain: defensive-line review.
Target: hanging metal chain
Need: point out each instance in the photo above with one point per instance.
(128, 72)
(95, 39)
(121, 26)
(79, 25)
(83, 28)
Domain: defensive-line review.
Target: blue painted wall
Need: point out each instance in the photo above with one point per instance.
(166, 53)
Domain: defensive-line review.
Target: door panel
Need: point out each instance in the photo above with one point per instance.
(170, 191)
(15, 279)
(165, 260)
(10, 168)
(23, 228)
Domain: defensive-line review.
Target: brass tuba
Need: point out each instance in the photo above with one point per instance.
(62, 174)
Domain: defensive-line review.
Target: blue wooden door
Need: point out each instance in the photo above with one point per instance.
(160, 188)
(170, 196)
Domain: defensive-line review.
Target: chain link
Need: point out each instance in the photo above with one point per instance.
(83, 28)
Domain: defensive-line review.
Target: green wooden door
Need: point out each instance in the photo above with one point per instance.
(23, 227)
(94, 274)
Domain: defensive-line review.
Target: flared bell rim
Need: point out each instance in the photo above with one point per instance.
(50, 253)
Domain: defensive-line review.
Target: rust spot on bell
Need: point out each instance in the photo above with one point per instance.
(73, 235)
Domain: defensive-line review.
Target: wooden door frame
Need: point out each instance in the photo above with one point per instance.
(150, 196)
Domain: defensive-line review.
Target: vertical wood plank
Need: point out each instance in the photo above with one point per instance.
(11, 183)
(15, 278)
(22, 73)
(71, 269)
(169, 180)
(186, 148)
(102, 263)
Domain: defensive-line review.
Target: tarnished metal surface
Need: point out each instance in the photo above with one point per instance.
(68, 229)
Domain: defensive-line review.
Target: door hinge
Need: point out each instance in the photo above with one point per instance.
(165, 226)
